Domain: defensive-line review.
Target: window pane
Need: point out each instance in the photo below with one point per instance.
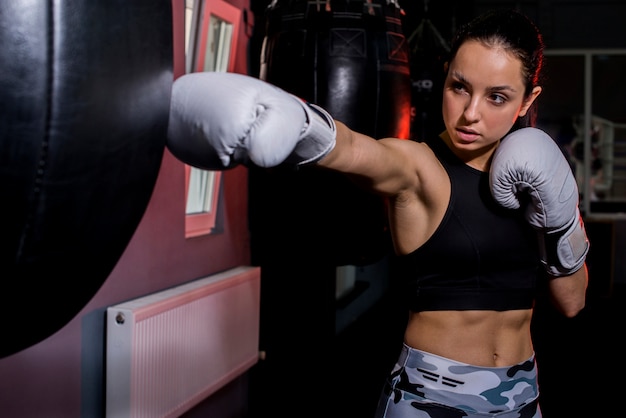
(201, 190)
(218, 46)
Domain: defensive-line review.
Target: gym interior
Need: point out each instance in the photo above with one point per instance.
(105, 220)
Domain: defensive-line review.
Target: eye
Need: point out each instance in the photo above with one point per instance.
(498, 99)
(458, 86)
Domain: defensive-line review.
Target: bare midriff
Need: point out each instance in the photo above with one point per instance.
(479, 338)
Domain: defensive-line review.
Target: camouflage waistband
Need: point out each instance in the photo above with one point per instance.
(440, 387)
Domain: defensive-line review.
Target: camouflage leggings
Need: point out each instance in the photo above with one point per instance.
(424, 385)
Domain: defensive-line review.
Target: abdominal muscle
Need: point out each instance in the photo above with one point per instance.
(479, 338)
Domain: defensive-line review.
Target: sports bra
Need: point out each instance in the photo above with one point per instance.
(481, 257)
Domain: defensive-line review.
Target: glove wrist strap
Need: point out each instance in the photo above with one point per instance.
(563, 251)
(318, 136)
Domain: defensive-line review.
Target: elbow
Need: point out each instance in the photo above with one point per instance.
(573, 310)
(570, 308)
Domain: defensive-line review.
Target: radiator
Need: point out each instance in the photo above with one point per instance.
(168, 351)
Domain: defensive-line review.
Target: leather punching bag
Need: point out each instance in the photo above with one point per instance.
(351, 58)
(84, 102)
(428, 52)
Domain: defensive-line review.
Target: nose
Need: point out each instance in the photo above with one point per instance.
(471, 113)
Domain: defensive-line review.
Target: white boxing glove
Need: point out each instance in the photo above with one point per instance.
(528, 168)
(219, 120)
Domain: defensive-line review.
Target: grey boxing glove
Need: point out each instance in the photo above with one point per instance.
(219, 120)
(528, 168)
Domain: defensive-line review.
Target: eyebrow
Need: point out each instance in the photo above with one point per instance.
(464, 80)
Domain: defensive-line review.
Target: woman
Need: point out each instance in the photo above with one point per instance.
(460, 347)
(465, 210)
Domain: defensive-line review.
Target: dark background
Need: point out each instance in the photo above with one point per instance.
(575, 357)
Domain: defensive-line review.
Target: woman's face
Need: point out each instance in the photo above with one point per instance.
(483, 95)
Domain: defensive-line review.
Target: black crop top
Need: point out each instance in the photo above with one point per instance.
(482, 256)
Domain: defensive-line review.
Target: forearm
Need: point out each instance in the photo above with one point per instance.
(341, 157)
(568, 293)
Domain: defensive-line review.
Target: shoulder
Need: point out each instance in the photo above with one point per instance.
(409, 149)
(421, 163)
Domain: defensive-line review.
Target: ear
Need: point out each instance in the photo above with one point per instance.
(529, 101)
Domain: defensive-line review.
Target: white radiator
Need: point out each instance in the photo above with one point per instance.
(168, 351)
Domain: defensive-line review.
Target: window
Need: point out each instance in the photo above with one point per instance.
(211, 28)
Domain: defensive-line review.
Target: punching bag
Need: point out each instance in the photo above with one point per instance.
(84, 102)
(351, 58)
(428, 52)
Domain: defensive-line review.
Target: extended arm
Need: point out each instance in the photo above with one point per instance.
(220, 120)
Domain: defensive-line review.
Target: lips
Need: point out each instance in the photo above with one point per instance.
(467, 135)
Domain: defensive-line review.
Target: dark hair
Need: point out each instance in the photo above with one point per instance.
(517, 34)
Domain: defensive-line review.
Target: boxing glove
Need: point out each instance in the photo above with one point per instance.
(530, 171)
(219, 120)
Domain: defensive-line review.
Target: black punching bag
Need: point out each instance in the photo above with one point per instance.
(428, 52)
(84, 103)
(351, 58)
